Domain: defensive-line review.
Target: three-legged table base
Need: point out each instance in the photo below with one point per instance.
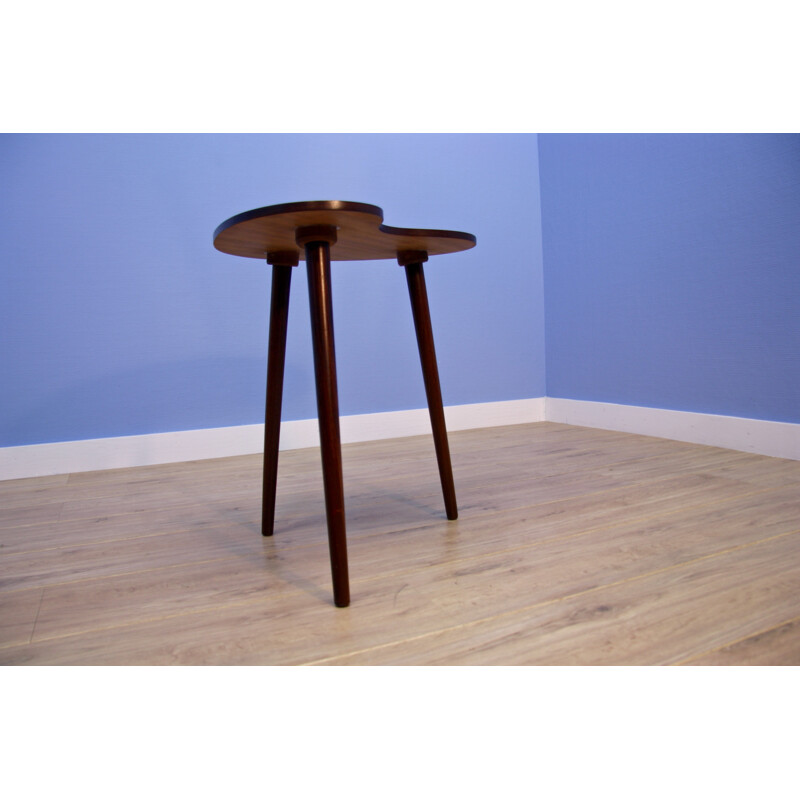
(317, 241)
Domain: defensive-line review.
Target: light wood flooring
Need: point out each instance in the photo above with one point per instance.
(574, 546)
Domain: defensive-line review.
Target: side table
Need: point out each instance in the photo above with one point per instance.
(319, 232)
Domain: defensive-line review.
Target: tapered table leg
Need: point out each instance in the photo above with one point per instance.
(317, 247)
(276, 358)
(412, 261)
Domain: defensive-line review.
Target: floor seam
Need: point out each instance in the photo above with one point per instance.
(688, 661)
(38, 610)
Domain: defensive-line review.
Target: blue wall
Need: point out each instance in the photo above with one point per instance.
(672, 271)
(672, 275)
(118, 317)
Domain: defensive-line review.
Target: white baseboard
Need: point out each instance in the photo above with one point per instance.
(57, 458)
(779, 439)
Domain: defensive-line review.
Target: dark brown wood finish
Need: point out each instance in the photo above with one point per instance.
(418, 293)
(319, 295)
(276, 358)
(360, 232)
(318, 232)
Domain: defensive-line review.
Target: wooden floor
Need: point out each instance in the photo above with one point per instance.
(573, 546)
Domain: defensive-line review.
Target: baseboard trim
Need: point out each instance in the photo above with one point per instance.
(86, 455)
(778, 439)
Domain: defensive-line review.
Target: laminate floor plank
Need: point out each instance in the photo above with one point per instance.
(166, 564)
(23, 492)
(651, 619)
(408, 499)
(760, 471)
(423, 477)
(18, 612)
(29, 515)
(775, 647)
(111, 527)
(38, 484)
(74, 607)
(79, 561)
(442, 589)
(706, 460)
(146, 499)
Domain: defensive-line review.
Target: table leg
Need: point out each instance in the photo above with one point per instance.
(276, 358)
(430, 373)
(319, 293)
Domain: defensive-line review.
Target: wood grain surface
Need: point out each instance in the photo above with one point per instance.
(360, 232)
(573, 546)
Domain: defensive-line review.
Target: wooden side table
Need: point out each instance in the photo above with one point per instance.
(318, 232)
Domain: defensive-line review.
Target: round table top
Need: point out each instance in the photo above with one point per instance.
(360, 232)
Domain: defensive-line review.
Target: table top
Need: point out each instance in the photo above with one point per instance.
(361, 234)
